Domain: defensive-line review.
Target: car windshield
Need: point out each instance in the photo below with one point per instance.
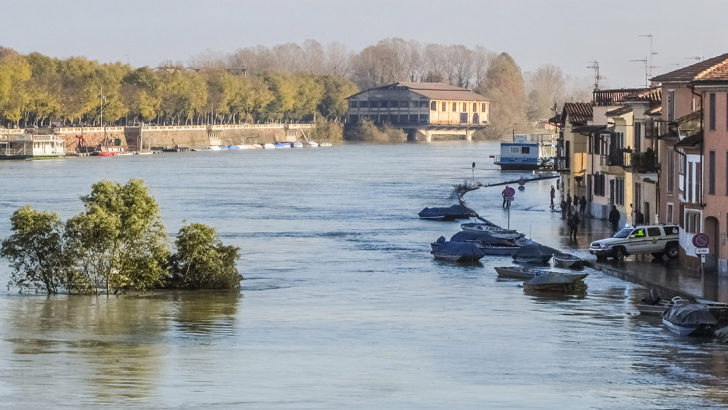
(624, 233)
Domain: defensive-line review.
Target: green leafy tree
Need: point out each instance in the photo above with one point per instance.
(35, 250)
(504, 85)
(333, 103)
(119, 242)
(202, 261)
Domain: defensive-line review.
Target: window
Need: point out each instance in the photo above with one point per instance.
(405, 104)
(384, 118)
(353, 118)
(443, 106)
(619, 191)
(597, 144)
(415, 104)
(654, 232)
(639, 233)
(711, 173)
(692, 222)
(525, 150)
(515, 150)
(475, 107)
(393, 104)
(383, 104)
(482, 107)
(423, 104)
(454, 106)
(670, 211)
(353, 104)
(671, 105)
(363, 104)
(712, 111)
(726, 173)
(374, 104)
(670, 172)
(599, 185)
(413, 118)
(433, 106)
(465, 107)
(424, 118)
(637, 136)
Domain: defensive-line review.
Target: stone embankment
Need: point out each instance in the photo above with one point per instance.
(192, 136)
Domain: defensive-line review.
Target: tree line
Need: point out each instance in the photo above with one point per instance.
(287, 82)
(117, 244)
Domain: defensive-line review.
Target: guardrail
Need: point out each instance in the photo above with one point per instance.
(70, 130)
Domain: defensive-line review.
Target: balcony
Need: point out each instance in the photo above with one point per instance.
(561, 164)
(640, 162)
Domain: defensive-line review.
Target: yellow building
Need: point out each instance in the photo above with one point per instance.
(426, 109)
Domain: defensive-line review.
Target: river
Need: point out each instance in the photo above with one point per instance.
(342, 305)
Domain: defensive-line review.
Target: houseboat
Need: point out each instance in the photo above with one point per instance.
(32, 146)
(518, 155)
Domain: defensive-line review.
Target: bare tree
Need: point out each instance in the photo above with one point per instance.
(208, 59)
(313, 57)
(338, 59)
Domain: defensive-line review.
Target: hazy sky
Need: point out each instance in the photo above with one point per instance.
(566, 33)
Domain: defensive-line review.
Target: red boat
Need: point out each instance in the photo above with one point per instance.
(104, 154)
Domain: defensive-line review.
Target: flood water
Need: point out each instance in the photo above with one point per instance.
(342, 305)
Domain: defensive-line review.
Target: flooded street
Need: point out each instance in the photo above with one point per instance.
(342, 305)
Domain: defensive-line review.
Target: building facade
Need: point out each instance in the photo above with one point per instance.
(423, 109)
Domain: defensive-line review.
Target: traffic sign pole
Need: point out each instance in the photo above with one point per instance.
(701, 242)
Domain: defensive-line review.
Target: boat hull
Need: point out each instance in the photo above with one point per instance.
(699, 330)
(517, 167)
(568, 263)
(541, 260)
(499, 250)
(516, 272)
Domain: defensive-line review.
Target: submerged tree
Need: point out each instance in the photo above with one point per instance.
(119, 242)
(202, 261)
(35, 250)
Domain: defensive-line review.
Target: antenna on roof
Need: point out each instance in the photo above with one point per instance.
(652, 53)
(595, 66)
(696, 58)
(647, 72)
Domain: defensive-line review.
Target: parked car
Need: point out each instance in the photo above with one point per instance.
(657, 240)
(31, 129)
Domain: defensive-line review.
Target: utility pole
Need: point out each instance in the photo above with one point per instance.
(647, 73)
(696, 58)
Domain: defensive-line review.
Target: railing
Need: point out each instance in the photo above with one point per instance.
(562, 164)
(641, 162)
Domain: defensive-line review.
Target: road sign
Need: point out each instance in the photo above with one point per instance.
(509, 198)
(510, 192)
(701, 240)
(702, 251)
(521, 181)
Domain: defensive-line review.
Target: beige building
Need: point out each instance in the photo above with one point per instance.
(423, 110)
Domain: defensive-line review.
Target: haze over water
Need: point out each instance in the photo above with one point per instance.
(342, 305)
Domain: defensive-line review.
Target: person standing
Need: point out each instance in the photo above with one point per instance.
(576, 202)
(582, 204)
(574, 226)
(568, 199)
(563, 209)
(553, 195)
(504, 196)
(614, 218)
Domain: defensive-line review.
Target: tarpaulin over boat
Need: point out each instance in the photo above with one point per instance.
(555, 278)
(535, 251)
(691, 314)
(447, 214)
(482, 237)
(457, 248)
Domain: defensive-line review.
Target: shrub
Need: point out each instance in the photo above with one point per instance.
(202, 261)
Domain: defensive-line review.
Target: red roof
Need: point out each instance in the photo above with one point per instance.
(694, 71)
(578, 112)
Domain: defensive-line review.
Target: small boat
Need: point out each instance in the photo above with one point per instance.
(553, 281)
(104, 154)
(214, 147)
(233, 147)
(282, 145)
(446, 214)
(533, 254)
(657, 309)
(313, 144)
(145, 153)
(518, 272)
(566, 260)
(325, 144)
(200, 149)
(269, 146)
(246, 146)
(297, 144)
(496, 231)
(223, 147)
(456, 251)
(689, 319)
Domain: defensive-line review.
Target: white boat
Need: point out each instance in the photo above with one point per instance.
(246, 146)
(282, 145)
(325, 144)
(269, 146)
(144, 153)
(214, 148)
(496, 231)
(297, 144)
(313, 144)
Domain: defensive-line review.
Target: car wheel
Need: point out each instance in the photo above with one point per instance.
(619, 254)
(672, 251)
(658, 254)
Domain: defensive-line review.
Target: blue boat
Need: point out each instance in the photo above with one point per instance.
(233, 147)
(283, 145)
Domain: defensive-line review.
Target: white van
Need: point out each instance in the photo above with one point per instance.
(657, 240)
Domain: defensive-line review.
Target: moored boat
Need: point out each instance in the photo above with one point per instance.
(518, 272)
(313, 144)
(689, 320)
(537, 254)
(325, 144)
(553, 281)
(456, 251)
(269, 146)
(233, 147)
(282, 145)
(446, 214)
(566, 260)
(297, 144)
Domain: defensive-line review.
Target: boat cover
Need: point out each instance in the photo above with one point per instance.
(722, 334)
(534, 251)
(459, 248)
(482, 237)
(689, 314)
(452, 213)
(555, 278)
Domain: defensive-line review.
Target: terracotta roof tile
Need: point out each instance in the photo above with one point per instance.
(653, 95)
(620, 111)
(578, 112)
(691, 72)
(433, 91)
